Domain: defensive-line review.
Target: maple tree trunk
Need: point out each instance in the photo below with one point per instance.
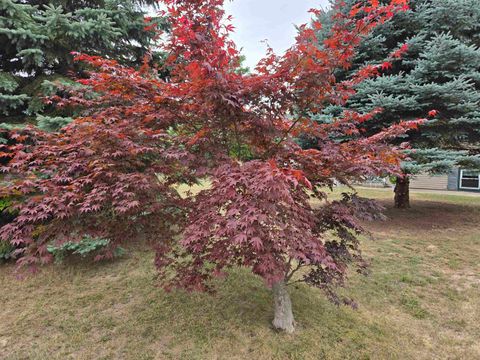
(283, 308)
(402, 192)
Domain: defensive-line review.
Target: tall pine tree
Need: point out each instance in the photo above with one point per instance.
(38, 36)
(438, 74)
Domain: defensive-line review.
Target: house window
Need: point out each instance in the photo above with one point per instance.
(469, 180)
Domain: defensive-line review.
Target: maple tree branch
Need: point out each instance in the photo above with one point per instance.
(295, 282)
(272, 150)
(236, 134)
(289, 276)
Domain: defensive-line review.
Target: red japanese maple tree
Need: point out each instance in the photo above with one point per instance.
(112, 172)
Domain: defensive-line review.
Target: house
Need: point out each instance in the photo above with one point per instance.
(457, 180)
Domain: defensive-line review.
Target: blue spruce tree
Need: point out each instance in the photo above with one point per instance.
(440, 71)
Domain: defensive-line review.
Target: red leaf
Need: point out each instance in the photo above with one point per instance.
(386, 65)
(256, 243)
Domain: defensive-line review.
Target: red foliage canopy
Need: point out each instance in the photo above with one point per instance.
(112, 172)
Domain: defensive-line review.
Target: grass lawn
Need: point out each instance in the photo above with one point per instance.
(422, 301)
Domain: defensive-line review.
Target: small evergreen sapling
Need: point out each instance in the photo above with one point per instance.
(88, 246)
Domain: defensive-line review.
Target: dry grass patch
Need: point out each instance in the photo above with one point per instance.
(422, 301)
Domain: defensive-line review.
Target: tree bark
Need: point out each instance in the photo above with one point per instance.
(283, 308)
(402, 192)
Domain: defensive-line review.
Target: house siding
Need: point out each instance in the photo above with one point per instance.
(426, 181)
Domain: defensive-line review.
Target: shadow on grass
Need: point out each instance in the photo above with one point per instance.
(428, 216)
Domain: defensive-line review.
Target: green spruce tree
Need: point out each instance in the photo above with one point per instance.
(38, 37)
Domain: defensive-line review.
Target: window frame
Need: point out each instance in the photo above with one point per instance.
(467, 188)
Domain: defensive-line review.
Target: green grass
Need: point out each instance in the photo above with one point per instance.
(422, 301)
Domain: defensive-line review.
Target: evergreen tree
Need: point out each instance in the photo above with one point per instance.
(38, 36)
(438, 74)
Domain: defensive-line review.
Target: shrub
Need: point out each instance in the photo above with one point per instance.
(6, 216)
(88, 246)
(6, 251)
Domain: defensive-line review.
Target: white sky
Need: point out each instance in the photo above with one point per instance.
(272, 20)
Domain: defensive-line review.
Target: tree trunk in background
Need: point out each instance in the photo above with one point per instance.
(283, 308)
(402, 192)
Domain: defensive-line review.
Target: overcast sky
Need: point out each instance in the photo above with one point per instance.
(272, 20)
